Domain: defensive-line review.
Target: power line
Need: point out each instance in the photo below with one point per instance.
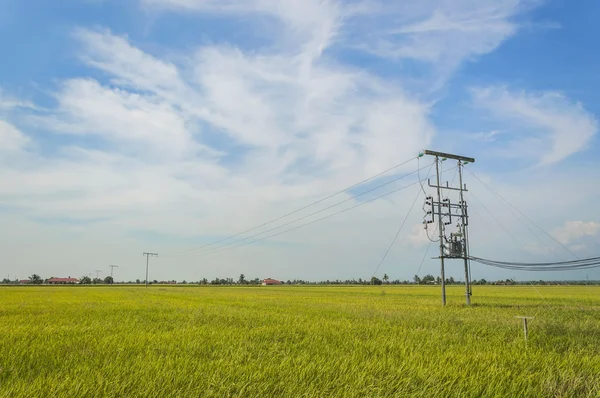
(401, 225)
(185, 252)
(497, 221)
(425, 193)
(592, 262)
(452, 182)
(226, 248)
(419, 175)
(504, 201)
(424, 256)
(397, 234)
(521, 213)
(208, 250)
(511, 210)
(523, 247)
(435, 225)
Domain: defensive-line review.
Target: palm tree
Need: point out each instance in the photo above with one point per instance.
(386, 278)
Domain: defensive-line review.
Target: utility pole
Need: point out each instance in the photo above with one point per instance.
(464, 224)
(457, 245)
(98, 273)
(147, 261)
(441, 229)
(111, 270)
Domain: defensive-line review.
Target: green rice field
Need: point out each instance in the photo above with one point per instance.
(298, 341)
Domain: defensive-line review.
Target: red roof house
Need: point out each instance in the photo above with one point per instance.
(270, 281)
(62, 281)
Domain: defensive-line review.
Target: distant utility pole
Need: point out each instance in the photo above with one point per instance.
(111, 270)
(457, 245)
(98, 273)
(147, 261)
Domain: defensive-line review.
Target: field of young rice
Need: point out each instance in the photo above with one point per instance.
(291, 341)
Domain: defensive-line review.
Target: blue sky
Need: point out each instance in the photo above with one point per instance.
(154, 125)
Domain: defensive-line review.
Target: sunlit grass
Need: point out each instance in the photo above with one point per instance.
(298, 341)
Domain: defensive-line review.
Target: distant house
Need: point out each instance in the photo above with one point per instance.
(63, 281)
(24, 281)
(270, 281)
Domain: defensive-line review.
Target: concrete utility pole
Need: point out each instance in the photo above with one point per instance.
(147, 261)
(111, 270)
(463, 225)
(98, 273)
(441, 228)
(457, 246)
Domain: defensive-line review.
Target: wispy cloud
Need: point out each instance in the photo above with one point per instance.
(452, 33)
(271, 102)
(439, 34)
(551, 127)
(485, 137)
(312, 24)
(8, 102)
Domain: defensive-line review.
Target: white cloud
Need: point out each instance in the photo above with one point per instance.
(485, 137)
(551, 126)
(130, 65)
(11, 139)
(449, 32)
(140, 122)
(271, 101)
(572, 231)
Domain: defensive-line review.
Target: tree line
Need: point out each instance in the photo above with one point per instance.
(428, 279)
(35, 279)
